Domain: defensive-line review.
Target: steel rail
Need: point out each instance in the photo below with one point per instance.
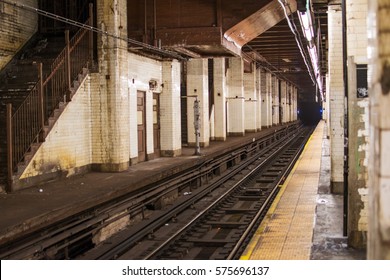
(256, 220)
(161, 219)
(204, 211)
(94, 218)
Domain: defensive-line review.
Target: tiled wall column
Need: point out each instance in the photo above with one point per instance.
(111, 133)
(295, 103)
(283, 102)
(259, 99)
(197, 85)
(270, 97)
(265, 100)
(170, 117)
(250, 101)
(336, 97)
(275, 100)
(379, 160)
(220, 99)
(288, 99)
(358, 125)
(327, 109)
(235, 102)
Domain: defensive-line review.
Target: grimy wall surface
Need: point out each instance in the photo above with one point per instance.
(379, 160)
(16, 28)
(358, 123)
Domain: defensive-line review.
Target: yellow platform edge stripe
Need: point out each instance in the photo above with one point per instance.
(251, 246)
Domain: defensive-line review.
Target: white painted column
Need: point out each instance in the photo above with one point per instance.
(295, 102)
(170, 111)
(197, 85)
(264, 98)
(275, 100)
(259, 98)
(250, 100)
(328, 105)
(235, 100)
(289, 102)
(220, 99)
(283, 88)
(336, 98)
(270, 98)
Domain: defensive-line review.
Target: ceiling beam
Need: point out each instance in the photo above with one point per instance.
(258, 23)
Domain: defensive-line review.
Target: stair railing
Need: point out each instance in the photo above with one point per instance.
(25, 126)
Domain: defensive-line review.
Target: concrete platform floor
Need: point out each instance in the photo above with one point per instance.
(328, 240)
(305, 221)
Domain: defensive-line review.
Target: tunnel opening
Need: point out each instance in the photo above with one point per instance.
(310, 113)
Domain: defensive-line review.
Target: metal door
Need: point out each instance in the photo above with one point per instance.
(156, 124)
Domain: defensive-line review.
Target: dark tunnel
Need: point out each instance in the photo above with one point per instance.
(310, 113)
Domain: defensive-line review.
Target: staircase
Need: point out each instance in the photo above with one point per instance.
(38, 97)
(19, 77)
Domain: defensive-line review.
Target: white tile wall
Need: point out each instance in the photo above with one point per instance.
(170, 111)
(68, 145)
(197, 84)
(235, 102)
(336, 94)
(251, 105)
(220, 91)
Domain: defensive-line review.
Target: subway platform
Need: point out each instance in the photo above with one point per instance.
(304, 223)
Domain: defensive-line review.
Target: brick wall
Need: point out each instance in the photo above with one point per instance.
(16, 28)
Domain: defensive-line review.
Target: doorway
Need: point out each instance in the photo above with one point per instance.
(156, 124)
(141, 124)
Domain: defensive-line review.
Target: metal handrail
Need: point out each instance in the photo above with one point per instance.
(25, 126)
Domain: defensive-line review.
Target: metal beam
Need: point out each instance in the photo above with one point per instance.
(258, 23)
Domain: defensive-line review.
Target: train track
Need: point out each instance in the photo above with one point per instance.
(217, 221)
(72, 237)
